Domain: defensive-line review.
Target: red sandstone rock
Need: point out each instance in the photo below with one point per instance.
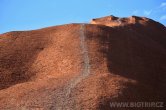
(83, 66)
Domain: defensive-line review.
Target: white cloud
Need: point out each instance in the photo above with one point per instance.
(163, 4)
(163, 17)
(147, 13)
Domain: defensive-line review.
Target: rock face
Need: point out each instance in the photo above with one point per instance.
(113, 21)
(84, 66)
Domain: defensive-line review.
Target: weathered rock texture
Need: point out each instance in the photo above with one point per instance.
(83, 66)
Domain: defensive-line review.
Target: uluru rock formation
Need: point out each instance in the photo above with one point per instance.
(84, 66)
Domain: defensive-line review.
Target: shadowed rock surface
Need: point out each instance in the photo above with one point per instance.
(84, 66)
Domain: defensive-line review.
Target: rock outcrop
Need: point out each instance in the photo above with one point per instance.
(84, 66)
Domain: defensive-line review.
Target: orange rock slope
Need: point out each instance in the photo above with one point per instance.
(84, 66)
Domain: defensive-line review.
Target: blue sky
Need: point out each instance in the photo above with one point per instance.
(33, 14)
